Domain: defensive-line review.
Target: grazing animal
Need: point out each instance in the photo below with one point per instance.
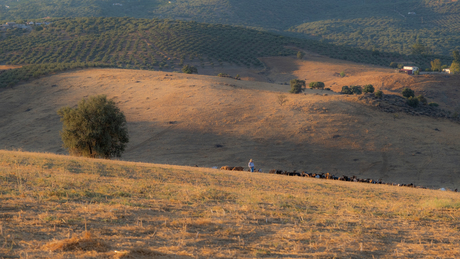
(238, 168)
(226, 168)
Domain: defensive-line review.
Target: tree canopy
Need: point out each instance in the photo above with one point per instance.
(296, 86)
(96, 128)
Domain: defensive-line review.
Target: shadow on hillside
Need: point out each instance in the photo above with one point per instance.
(171, 145)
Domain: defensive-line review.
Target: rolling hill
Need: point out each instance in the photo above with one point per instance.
(373, 25)
(212, 121)
(162, 45)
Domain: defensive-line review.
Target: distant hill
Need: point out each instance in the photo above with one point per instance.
(383, 26)
(161, 45)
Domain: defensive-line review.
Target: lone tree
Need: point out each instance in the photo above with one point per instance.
(436, 65)
(407, 92)
(296, 86)
(455, 67)
(96, 128)
(368, 89)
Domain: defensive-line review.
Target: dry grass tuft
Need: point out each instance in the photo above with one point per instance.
(87, 242)
(137, 253)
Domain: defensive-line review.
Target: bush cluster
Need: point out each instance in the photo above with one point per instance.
(354, 89)
(188, 69)
(413, 101)
(316, 85)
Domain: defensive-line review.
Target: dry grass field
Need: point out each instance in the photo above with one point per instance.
(55, 206)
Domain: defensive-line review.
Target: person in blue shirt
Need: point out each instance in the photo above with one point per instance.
(251, 165)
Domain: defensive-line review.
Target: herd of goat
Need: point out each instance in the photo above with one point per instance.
(327, 176)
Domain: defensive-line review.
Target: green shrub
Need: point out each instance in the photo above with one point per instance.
(407, 92)
(188, 69)
(356, 89)
(393, 64)
(342, 74)
(432, 104)
(412, 101)
(346, 90)
(296, 86)
(316, 85)
(422, 99)
(378, 94)
(300, 55)
(223, 75)
(368, 89)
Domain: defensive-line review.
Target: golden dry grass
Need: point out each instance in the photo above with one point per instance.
(139, 210)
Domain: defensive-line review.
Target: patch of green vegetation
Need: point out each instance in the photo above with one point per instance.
(390, 26)
(154, 44)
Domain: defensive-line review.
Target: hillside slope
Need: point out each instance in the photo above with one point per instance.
(68, 207)
(210, 121)
(380, 25)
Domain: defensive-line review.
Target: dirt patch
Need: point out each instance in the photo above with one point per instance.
(6, 67)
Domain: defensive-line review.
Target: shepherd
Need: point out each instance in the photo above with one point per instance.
(251, 165)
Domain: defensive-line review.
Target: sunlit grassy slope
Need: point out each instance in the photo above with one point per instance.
(135, 209)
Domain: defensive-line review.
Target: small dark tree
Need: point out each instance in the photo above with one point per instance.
(422, 99)
(316, 85)
(368, 89)
(300, 55)
(378, 94)
(188, 69)
(346, 90)
(412, 101)
(456, 55)
(296, 86)
(407, 92)
(393, 64)
(96, 128)
(356, 89)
